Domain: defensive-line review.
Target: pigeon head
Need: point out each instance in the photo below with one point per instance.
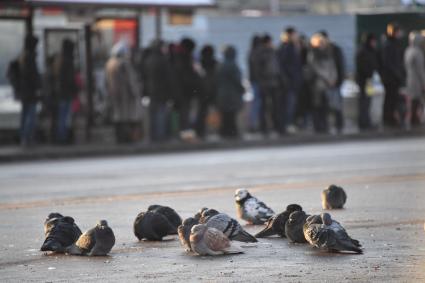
(198, 215)
(294, 207)
(153, 207)
(241, 194)
(54, 215)
(102, 223)
(314, 219)
(326, 218)
(209, 212)
(190, 221)
(198, 229)
(333, 188)
(67, 219)
(297, 217)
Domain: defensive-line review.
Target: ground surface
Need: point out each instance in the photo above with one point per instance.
(384, 180)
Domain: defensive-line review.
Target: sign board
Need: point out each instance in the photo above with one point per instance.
(147, 3)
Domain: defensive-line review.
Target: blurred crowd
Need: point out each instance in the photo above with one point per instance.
(295, 85)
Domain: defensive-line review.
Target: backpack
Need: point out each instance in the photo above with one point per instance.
(14, 74)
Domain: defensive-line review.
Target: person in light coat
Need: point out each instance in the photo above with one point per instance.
(123, 92)
(414, 63)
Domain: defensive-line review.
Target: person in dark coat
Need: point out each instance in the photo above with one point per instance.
(367, 62)
(338, 57)
(189, 81)
(229, 93)
(66, 89)
(290, 63)
(392, 72)
(270, 87)
(254, 75)
(209, 88)
(29, 87)
(158, 88)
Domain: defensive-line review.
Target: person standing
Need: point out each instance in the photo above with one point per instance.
(367, 63)
(334, 95)
(65, 88)
(254, 75)
(290, 63)
(270, 87)
(415, 69)
(123, 94)
(324, 78)
(29, 87)
(158, 88)
(392, 72)
(189, 86)
(229, 93)
(209, 88)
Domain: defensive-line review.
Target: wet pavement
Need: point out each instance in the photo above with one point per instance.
(384, 180)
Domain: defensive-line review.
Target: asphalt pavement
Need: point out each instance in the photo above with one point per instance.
(384, 180)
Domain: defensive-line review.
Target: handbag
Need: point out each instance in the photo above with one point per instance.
(334, 98)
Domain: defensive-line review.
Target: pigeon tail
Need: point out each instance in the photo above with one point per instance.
(266, 232)
(244, 236)
(234, 248)
(75, 250)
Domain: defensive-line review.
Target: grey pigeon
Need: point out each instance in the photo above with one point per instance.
(229, 226)
(333, 197)
(152, 226)
(251, 209)
(60, 232)
(172, 216)
(276, 224)
(206, 240)
(321, 232)
(184, 232)
(97, 241)
(294, 227)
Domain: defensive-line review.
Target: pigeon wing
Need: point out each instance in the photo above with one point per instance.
(215, 240)
(87, 240)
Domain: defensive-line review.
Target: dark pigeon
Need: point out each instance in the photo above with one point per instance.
(169, 213)
(326, 234)
(97, 241)
(276, 224)
(152, 226)
(60, 232)
(294, 227)
(333, 197)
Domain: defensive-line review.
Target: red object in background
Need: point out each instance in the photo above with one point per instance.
(125, 29)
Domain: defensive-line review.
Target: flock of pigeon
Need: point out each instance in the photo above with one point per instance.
(210, 232)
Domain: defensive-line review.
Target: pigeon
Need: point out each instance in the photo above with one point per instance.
(276, 224)
(199, 213)
(227, 225)
(60, 232)
(169, 213)
(333, 197)
(323, 233)
(294, 227)
(184, 232)
(206, 240)
(97, 241)
(251, 209)
(152, 226)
